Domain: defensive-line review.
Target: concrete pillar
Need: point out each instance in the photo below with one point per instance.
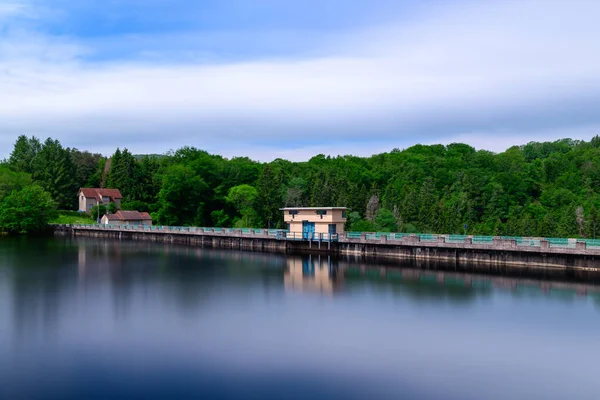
(441, 239)
(544, 244)
(363, 237)
(469, 240)
(580, 245)
(383, 239)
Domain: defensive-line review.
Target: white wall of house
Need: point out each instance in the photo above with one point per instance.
(86, 204)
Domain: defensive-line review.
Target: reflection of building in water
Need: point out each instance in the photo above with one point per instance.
(311, 273)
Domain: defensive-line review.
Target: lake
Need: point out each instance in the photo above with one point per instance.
(90, 318)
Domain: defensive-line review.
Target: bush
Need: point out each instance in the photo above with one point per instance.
(27, 210)
(363, 226)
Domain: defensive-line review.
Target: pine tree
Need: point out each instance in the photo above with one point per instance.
(24, 153)
(55, 171)
(269, 197)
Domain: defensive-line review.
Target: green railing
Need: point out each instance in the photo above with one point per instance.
(483, 239)
(426, 237)
(592, 242)
(561, 242)
(397, 236)
(456, 238)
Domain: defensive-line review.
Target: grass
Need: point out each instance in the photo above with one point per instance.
(72, 218)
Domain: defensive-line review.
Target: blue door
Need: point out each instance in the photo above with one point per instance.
(308, 266)
(308, 229)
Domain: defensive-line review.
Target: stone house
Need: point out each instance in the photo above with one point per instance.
(90, 197)
(122, 217)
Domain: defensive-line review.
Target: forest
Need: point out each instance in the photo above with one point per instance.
(549, 189)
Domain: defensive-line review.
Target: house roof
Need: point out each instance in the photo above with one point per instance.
(99, 193)
(313, 208)
(122, 215)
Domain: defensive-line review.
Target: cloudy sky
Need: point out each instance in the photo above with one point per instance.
(291, 79)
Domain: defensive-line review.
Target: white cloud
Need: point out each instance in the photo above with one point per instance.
(506, 69)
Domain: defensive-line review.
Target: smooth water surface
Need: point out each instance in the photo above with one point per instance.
(106, 319)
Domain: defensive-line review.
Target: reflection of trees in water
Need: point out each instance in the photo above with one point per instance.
(439, 279)
(187, 275)
(38, 269)
(48, 274)
(423, 288)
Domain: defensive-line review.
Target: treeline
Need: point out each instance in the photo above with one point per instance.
(539, 189)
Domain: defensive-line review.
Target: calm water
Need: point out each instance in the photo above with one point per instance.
(104, 319)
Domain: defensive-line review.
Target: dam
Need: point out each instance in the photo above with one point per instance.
(572, 258)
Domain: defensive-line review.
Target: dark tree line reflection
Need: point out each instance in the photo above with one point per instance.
(46, 277)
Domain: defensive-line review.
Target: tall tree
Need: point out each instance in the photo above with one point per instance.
(55, 172)
(269, 198)
(24, 153)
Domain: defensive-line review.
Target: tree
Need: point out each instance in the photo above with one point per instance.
(580, 220)
(219, 218)
(24, 154)
(86, 168)
(10, 180)
(181, 198)
(244, 198)
(592, 222)
(55, 172)
(386, 221)
(363, 226)
(98, 211)
(122, 174)
(372, 208)
(269, 197)
(295, 192)
(27, 210)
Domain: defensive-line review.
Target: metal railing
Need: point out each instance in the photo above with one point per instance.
(272, 233)
(519, 241)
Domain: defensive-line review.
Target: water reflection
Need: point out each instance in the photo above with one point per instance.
(314, 273)
(152, 318)
(310, 272)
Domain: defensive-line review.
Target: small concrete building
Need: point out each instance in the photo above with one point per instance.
(306, 222)
(121, 217)
(90, 197)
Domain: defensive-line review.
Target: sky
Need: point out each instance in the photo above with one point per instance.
(292, 79)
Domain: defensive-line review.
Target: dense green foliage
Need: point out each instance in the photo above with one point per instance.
(26, 210)
(539, 189)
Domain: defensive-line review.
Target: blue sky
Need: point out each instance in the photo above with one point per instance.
(275, 78)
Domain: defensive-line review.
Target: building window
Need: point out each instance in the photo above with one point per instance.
(343, 214)
(293, 212)
(321, 212)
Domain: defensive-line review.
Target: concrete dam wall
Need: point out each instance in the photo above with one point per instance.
(578, 260)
